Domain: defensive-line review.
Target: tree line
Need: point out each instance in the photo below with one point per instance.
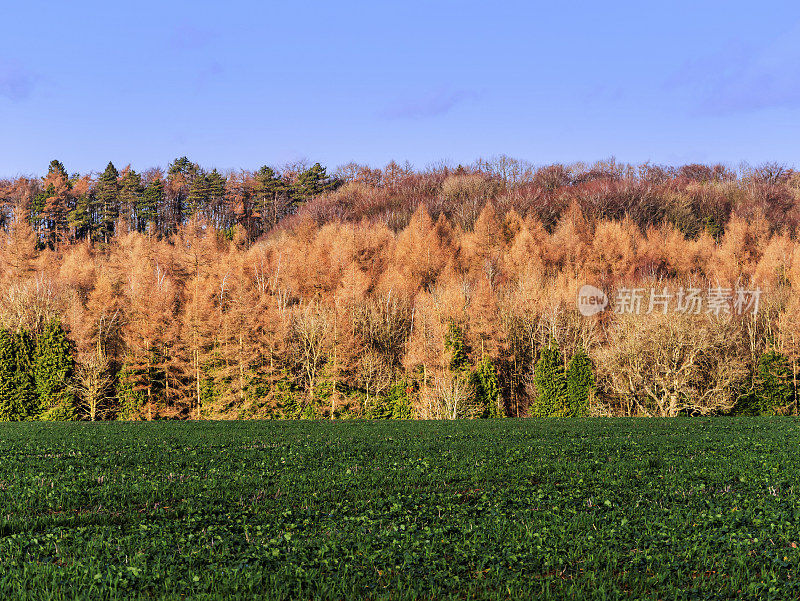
(64, 208)
(381, 293)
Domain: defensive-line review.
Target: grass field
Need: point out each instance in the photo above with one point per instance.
(612, 508)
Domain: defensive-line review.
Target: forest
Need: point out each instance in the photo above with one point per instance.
(437, 293)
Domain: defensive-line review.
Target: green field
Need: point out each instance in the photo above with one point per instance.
(610, 508)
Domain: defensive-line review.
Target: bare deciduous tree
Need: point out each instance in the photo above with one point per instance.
(93, 382)
(667, 364)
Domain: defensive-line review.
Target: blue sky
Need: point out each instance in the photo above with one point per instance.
(247, 83)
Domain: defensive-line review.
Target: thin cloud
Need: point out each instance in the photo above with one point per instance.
(16, 83)
(431, 105)
(742, 78)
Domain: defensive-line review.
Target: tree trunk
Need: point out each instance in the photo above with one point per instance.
(197, 380)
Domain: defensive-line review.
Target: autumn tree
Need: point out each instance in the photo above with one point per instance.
(53, 204)
(665, 365)
(20, 252)
(93, 383)
(151, 299)
(311, 335)
(207, 284)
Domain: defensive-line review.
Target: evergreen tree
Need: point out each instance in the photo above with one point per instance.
(8, 367)
(455, 346)
(107, 202)
(270, 197)
(148, 203)
(52, 371)
(400, 402)
(487, 389)
(580, 383)
(51, 206)
(215, 201)
(181, 174)
(38, 204)
(130, 192)
(197, 197)
(57, 168)
(551, 384)
(17, 390)
(183, 168)
(773, 384)
(80, 217)
(24, 382)
(314, 181)
(215, 184)
(132, 397)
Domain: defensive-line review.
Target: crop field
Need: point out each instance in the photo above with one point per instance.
(588, 508)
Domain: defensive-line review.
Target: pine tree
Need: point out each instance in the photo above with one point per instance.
(52, 370)
(270, 197)
(80, 219)
(314, 181)
(580, 383)
(215, 186)
(181, 174)
(198, 195)
(130, 192)
(50, 208)
(551, 384)
(107, 202)
(147, 206)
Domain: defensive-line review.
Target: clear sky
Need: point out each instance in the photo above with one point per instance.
(244, 83)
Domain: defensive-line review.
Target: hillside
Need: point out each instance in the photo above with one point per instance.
(448, 292)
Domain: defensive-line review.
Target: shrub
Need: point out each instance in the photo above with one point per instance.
(487, 389)
(52, 371)
(580, 383)
(394, 405)
(551, 384)
(131, 399)
(17, 387)
(773, 388)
